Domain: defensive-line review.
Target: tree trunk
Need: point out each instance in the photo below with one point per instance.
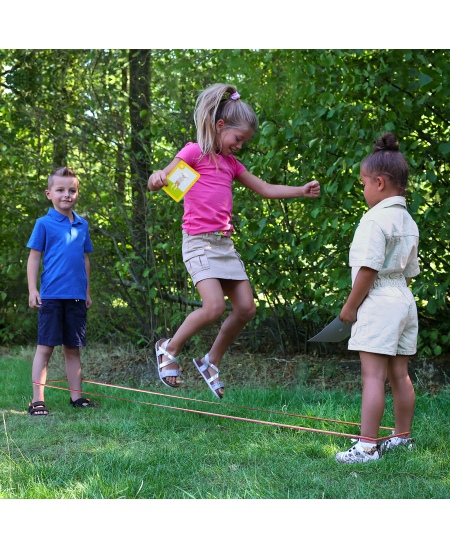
(139, 104)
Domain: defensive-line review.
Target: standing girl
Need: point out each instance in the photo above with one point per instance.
(224, 123)
(383, 257)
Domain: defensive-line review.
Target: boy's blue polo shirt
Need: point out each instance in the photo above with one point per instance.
(63, 245)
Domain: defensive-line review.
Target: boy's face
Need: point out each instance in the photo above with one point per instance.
(63, 193)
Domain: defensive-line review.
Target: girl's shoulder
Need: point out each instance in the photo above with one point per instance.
(190, 153)
(191, 146)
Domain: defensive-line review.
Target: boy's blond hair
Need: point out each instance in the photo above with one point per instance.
(61, 172)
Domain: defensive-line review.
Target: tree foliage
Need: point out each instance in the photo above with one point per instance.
(117, 115)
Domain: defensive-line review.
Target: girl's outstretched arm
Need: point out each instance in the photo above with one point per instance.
(158, 179)
(268, 190)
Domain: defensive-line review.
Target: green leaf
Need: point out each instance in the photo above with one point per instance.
(424, 79)
(444, 148)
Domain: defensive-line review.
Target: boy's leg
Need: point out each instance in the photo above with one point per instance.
(39, 370)
(49, 336)
(374, 369)
(74, 338)
(73, 370)
(402, 393)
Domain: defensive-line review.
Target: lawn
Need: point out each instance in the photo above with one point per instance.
(143, 445)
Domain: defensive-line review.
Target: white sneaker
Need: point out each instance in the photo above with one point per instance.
(359, 454)
(397, 441)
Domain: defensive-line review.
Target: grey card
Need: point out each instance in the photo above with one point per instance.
(334, 332)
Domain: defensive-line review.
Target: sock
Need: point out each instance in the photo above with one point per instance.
(367, 445)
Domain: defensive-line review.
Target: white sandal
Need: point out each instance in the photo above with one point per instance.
(162, 350)
(211, 382)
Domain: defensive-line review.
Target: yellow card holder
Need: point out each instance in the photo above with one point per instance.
(180, 180)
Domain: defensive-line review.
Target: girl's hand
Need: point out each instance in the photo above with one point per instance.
(348, 314)
(157, 180)
(312, 189)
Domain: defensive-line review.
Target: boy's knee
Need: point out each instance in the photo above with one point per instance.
(44, 352)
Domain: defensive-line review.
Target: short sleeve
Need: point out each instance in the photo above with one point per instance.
(368, 248)
(37, 238)
(88, 248)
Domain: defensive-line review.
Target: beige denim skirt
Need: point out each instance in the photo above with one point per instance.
(208, 255)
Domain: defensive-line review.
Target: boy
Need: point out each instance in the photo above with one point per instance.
(64, 296)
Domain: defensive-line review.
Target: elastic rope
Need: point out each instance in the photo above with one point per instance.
(237, 406)
(261, 422)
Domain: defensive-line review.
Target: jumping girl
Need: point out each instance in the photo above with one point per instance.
(224, 123)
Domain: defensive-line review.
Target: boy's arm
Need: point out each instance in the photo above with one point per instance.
(87, 265)
(268, 190)
(363, 282)
(34, 261)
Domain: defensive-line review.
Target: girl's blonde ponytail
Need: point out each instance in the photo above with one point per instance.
(211, 106)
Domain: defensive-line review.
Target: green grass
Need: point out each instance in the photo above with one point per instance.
(130, 449)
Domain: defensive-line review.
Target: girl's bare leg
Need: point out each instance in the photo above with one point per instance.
(213, 307)
(211, 291)
(243, 310)
(374, 369)
(402, 393)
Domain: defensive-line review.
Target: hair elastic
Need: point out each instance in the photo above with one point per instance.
(235, 96)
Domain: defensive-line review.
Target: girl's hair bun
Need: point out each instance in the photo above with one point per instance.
(387, 160)
(387, 142)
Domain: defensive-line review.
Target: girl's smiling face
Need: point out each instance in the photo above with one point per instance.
(230, 140)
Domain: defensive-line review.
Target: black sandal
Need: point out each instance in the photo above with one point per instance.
(82, 403)
(37, 408)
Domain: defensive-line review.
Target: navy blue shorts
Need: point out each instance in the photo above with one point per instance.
(62, 322)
